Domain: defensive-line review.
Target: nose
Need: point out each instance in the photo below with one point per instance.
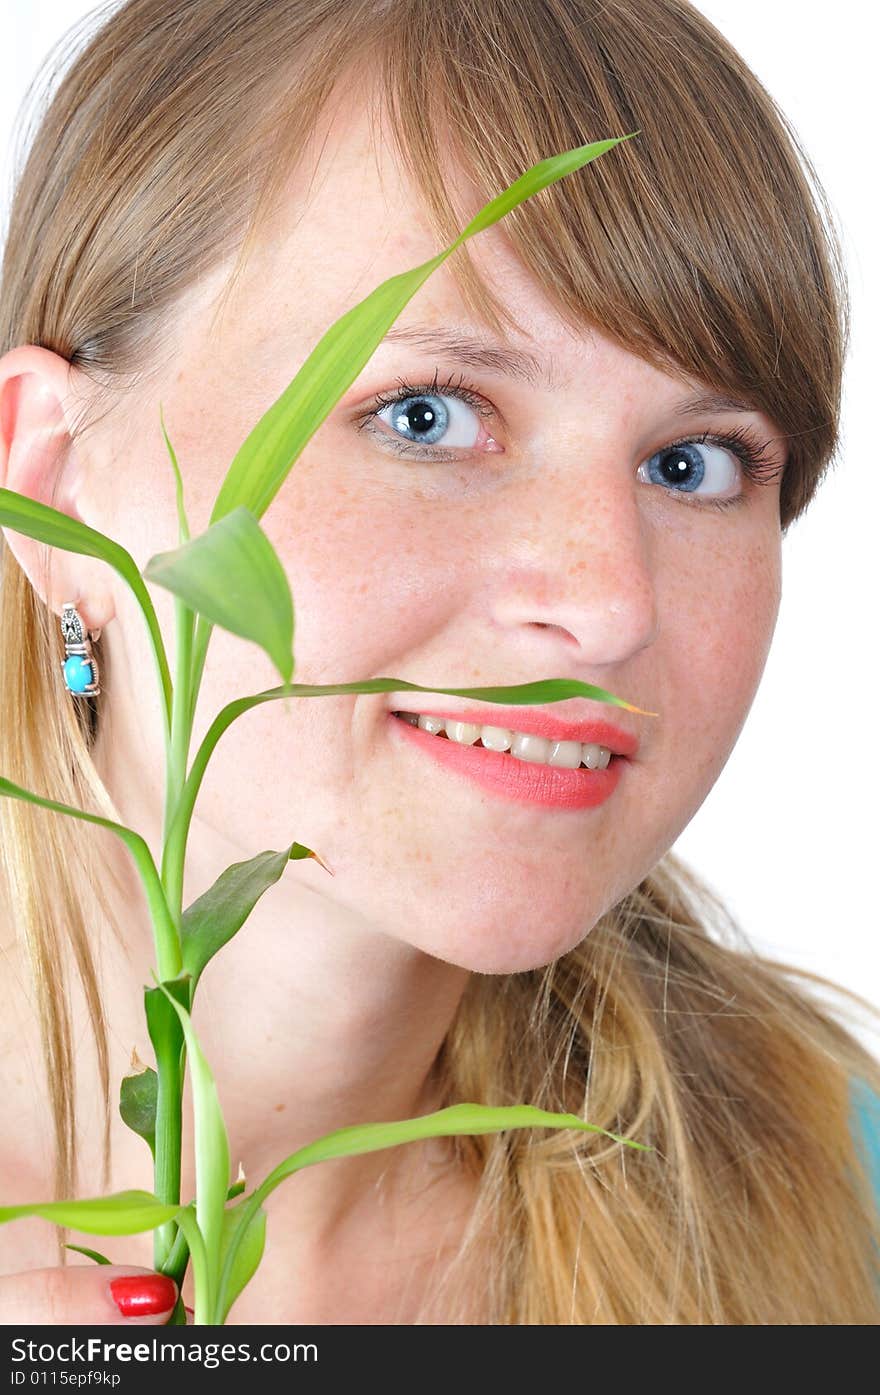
(583, 565)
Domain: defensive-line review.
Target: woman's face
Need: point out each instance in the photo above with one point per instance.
(545, 546)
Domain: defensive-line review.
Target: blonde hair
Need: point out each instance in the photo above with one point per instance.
(706, 246)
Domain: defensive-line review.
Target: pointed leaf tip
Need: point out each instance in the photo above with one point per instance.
(221, 911)
(299, 850)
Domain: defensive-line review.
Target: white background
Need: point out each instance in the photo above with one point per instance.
(789, 833)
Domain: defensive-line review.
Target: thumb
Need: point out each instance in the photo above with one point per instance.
(83, 1294)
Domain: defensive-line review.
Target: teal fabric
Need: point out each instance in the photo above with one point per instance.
(865, 1124)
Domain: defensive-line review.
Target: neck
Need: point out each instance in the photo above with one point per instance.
(310, 1019)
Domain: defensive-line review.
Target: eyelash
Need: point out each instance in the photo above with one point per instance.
(757, 465)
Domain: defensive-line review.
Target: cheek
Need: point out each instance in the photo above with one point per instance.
(367, 569)
(720, 649)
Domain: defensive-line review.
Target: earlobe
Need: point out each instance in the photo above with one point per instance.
(35, 459)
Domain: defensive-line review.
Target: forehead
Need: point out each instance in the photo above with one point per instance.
(349, 217)
(350, 193)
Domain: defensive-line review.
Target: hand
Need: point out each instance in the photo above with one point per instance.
(88, 1295)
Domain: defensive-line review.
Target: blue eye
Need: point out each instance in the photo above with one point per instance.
(690, 465)
(699, 467)
(430, 415)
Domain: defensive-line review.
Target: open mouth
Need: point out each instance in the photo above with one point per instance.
(512, 777)
(595, 757)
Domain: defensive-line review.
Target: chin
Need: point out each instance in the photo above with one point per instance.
(514, 955)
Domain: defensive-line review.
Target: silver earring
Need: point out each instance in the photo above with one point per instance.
(80, 668)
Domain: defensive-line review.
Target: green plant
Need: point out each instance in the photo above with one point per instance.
(231, 576)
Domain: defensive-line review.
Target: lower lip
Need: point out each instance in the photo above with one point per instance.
(522, 781)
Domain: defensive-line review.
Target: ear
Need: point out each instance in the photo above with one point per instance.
(38, 459)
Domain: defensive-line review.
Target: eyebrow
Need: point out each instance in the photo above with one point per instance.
(506, 361)
(494, 358)
(711, 402)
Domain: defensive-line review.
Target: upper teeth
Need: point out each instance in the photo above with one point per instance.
(569, 754)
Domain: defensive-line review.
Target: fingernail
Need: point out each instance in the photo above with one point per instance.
(143, 1295)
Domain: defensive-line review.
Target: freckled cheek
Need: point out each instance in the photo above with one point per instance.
(359, 546)
(723, 649)
(360, 572)
(754, 593)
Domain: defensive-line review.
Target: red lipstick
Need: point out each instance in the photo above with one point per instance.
(520, 781)
(532, 723)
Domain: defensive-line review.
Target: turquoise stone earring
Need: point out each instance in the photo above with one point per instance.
(80, 668)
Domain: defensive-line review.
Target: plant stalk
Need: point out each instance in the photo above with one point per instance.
(169, 1107)
(204, 1309)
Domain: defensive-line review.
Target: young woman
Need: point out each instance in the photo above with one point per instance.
(575, 455)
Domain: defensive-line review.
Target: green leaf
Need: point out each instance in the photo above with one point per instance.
(456, 1119)
(123, 1213)
(371, 1138)
(542, 690)
(166, 931)
(211, 1149)
(138, 1102)
(166, 1035)
(231, 575)
(184, 625)
(182, 523)
(203, 1272)
(36, 520)
(222, 910)
(246, 1259)
(90, 1254)
(264, 460)
(163, 1024)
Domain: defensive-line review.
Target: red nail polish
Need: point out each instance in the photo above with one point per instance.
(143, 1295)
